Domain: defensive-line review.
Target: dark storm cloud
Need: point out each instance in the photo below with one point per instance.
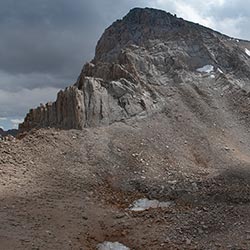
(52, 36)
(45, 36)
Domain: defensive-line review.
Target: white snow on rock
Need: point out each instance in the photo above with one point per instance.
(111, 246)
(212, 76)
(206, 69)
(247, 51)
(144, 204)
(220, 70)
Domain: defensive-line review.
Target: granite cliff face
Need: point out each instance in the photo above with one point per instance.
(144, 62)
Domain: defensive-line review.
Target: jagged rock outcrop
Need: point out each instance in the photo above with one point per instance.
(138, 62)
(10, 132)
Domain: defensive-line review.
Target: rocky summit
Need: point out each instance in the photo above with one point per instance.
(148, 150)
(140, 62)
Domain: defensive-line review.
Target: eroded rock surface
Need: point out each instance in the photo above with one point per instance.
(138, 61)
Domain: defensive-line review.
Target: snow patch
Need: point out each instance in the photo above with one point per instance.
(144, 204)
(247, 51)
(220, 70)
(212, 76)
(206, 69)
(111, 246)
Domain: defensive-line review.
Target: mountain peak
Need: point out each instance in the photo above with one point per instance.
(139, 60)
(137, 27)
(149, 16)
(142, 25)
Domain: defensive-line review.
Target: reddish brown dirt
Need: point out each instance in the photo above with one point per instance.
(72, 189)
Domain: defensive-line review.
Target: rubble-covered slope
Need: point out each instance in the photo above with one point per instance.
(140, 60)
(73, 189)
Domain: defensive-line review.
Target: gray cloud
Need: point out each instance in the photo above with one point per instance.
(52, 36)
(23, 99)
(45, 43)
(47, 37)
(229, 17)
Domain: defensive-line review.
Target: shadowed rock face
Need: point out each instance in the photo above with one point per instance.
(140, 61)
(12, 132)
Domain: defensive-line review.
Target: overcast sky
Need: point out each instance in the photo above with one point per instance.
(44, 43)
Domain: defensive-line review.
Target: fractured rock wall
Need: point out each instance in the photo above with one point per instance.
(94, 103)
(137, 62)
(66, 112)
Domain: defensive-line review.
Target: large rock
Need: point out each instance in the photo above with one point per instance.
(66, 112)
(138, 62)
(93, 103)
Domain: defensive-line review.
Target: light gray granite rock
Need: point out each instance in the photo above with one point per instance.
(138, 60)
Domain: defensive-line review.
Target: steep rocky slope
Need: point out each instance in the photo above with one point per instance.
(72, 189)
(138, 61)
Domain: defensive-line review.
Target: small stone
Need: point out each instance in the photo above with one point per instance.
(119, 216)
(194, 185)
(48, 232)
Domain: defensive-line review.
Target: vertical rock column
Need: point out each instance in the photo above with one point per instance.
(67, 112)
